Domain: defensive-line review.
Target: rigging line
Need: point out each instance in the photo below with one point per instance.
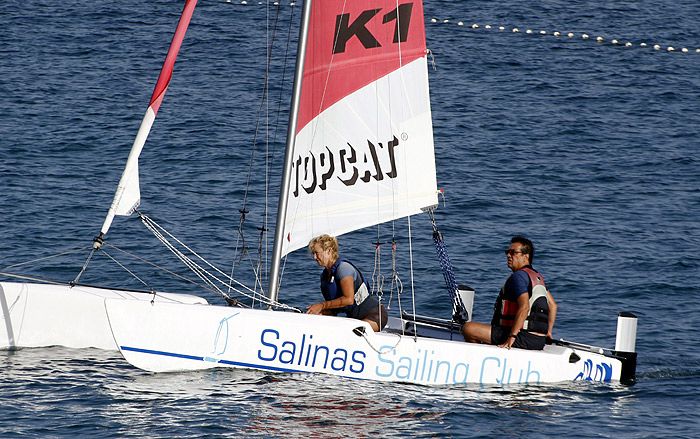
(147, 220)
(325, 83)
(380, 352)
(263, 100)
(85, 265)
(270, 158)
(145, 261)
(284, 77)
(261, 106)
(205, 276)
(32, 278)
(395, 280)
(200, 271)
(189, 263)
(127, 270)
(410, 258)
(44, 258)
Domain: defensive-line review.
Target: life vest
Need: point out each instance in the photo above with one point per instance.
(330, 286)
(538, 315)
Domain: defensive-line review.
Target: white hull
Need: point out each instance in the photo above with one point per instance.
(176, 337)
(39, 315)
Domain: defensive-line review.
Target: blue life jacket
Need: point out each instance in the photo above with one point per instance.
(330, 286)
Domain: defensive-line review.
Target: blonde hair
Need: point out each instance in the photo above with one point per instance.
(326, 242)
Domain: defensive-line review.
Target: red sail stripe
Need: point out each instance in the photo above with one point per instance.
(166, 72)
(329, 77)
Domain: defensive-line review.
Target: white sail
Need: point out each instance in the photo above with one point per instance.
(363, 152)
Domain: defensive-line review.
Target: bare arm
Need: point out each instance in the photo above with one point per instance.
(552, 313)
(347, 287)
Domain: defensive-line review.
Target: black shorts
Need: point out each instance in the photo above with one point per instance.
(524, 340)
(371, 309)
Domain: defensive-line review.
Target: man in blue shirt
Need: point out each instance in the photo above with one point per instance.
(525, 310)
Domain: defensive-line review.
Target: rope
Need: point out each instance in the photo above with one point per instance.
(44, 258)
(600, 40)
(614, 41)
(459, 312)
(145, 261)
(104, 252)
(205, 275)
(395, 279)
(377, 287)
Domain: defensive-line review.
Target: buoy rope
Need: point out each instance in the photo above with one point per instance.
(563, 35)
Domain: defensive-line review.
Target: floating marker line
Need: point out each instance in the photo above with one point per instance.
(564, 35)
(515, 29)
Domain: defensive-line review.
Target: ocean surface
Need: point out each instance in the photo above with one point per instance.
(589, 148)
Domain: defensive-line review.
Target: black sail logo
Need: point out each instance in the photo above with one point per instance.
(345, 29)
(350, 165)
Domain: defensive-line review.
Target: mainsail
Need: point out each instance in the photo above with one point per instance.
(363, 148)
(128, 195)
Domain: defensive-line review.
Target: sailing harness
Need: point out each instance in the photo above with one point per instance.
(538, 313)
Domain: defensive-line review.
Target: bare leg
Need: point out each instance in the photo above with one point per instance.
(373, 324)
(477, 332)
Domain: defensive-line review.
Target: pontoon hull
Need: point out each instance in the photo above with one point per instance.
(39, 315)
(172, 337)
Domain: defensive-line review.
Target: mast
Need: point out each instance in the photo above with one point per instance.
(288, 156)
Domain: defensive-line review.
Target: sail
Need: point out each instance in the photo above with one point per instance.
(363, 149)
(128, 195)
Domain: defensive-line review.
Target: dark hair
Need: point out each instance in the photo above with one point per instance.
(527, 246)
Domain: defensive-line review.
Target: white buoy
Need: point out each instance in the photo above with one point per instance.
(657, 47)
(670, 49)
(626, 337)
(684, 50)
(460, 23)
(516, 30)
(543, 32)
(628, 44)
(433, 20)
(584, 36)
(570, 35)
(615, 41)
(625, 345)
(601, 39)
(501, 28)
(466, 294)
(488, 26)
(475, 26)
(556, 33)
(529, 31)
(446, 20)
(642, 44)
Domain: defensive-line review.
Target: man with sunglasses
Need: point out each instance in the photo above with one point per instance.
(525, 310)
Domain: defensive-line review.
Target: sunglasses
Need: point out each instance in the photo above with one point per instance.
(511, 252)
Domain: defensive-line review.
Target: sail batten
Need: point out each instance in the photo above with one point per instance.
(363, 148)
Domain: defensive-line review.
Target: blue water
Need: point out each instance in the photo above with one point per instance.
(588, 148)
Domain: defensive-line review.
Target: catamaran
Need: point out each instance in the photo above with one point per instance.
(359, 153)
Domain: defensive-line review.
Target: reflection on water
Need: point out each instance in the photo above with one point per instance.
(126, 401)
